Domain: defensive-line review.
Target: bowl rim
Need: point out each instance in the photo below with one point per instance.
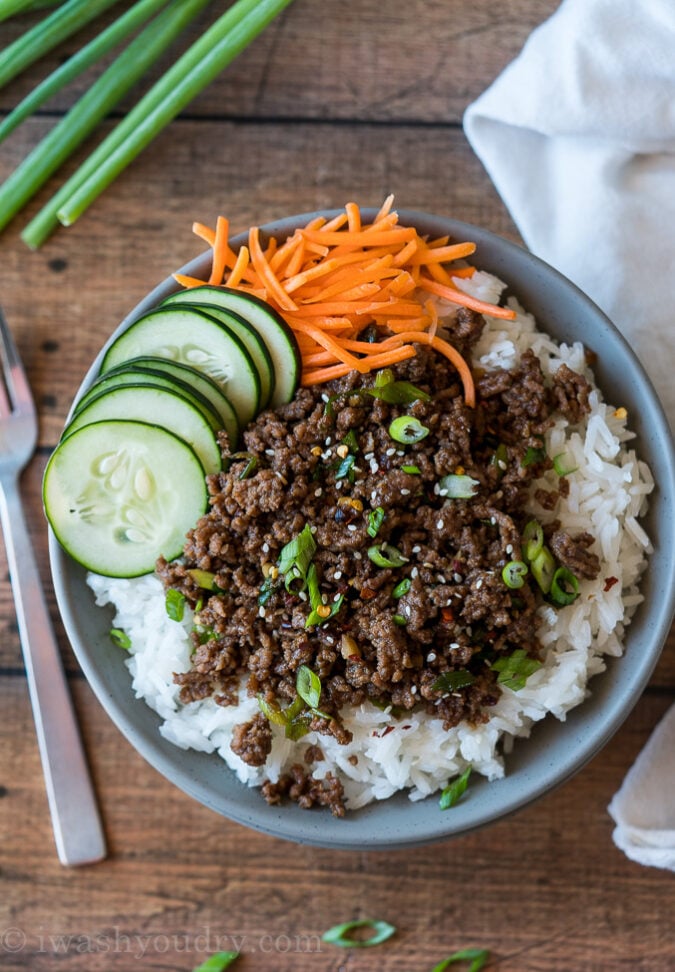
(366, 828)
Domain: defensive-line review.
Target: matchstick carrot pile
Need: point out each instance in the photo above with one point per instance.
(331, 279)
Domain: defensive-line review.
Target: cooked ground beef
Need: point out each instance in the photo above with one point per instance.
(307, 792)
(334, 466)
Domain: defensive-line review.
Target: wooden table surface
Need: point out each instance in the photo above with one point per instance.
(338, 100)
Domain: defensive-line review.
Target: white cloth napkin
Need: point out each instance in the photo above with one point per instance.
(644, 807)
(578, 136)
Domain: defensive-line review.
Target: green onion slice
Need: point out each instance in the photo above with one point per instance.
(563, 465)
(476, 956)
(533, 456)
(500, 458)
(399, 620)
(533, 540)
(351, 441)
(120, 638)
(401, 588)
(345, 468)
(543, 568)
(298, 552)
(452, 681)
(271, 712)
(375, 521)
(515, 670)
(397, 393)
(514, 574)
(564, 587)
(458, 487)
(204, 579)
(412, 470)
(408, 429)
(451, 794)
(217, 962)
(175, 604)
(385, 555)
(341, 934)
(308, 686)
(384, 377)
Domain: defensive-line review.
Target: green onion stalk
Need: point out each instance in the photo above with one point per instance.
(200, 64)
(45, 36)
(79, 62)
(103, 95)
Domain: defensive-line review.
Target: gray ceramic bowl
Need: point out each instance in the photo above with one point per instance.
(555, 750)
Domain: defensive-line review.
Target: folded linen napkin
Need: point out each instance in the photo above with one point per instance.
(578, 136)
(644, 807)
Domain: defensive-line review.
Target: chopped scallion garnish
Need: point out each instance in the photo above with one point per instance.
(175, 604)
(120, 638)
(399, 620)
(476, 956)
(412, 470)
(298, 552)
(308, 686)
(345, 468)
(533, 540)
(407, 429)
(451, 794)
(452, 681)
(533, 456)
(563, 465)
(458, 487)
(564, 587)
(341, 935)
(217, 962)
(386, 555)
(514, 573)
(204, 579)
(401, 588)
(351, 441)
(515, 670)
(375, 521)
(543, 568)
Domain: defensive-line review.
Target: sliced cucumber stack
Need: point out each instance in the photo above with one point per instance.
(277, 336)
(118, 494)
(157, 406)
(192, 337)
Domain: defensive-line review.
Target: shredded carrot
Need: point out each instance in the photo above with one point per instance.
(336, 276)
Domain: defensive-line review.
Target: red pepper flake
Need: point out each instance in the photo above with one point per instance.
(386, 731)
(447, 615)
(367, 593)
(609, 583)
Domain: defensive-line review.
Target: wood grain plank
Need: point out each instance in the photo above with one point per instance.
(414, 60)
(545, 890)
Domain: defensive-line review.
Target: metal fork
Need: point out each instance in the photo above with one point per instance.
(75, 818)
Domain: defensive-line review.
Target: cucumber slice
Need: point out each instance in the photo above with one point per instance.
(118, 494)
(122, 378)
(270, 325)
(157, 406)
(255, 345)
(192, 337)
(194, 385)
(199, 383)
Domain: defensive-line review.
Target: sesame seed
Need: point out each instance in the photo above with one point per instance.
(261, 611)
(337, 575)
(427, 564)
(331, 641)
(324, 397)
(339, 483)
(416, 548)
(454, 646)
(509, 548)
(414, 572)
(493, 521)
(313, 529)
(405, 492)
(336, 598)
(439, 524)
(374, 466)
(442, 492)
(390, 452)
(302, 595)
(318, 492)
(324, 599)
(479, 583)
(413, 690)
(501, 464)
(431, 657)
(437, 489)
(266, 548)
(269, 452)
(357, 555)
(352, 528)
(457, 578)
(328, 440)
(373, 495)
(407, 609)
(368, 456)
(440, 578)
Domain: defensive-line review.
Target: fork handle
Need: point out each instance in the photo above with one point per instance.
(75, 818)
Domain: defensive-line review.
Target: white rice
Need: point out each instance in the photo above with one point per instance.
(608, 493)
